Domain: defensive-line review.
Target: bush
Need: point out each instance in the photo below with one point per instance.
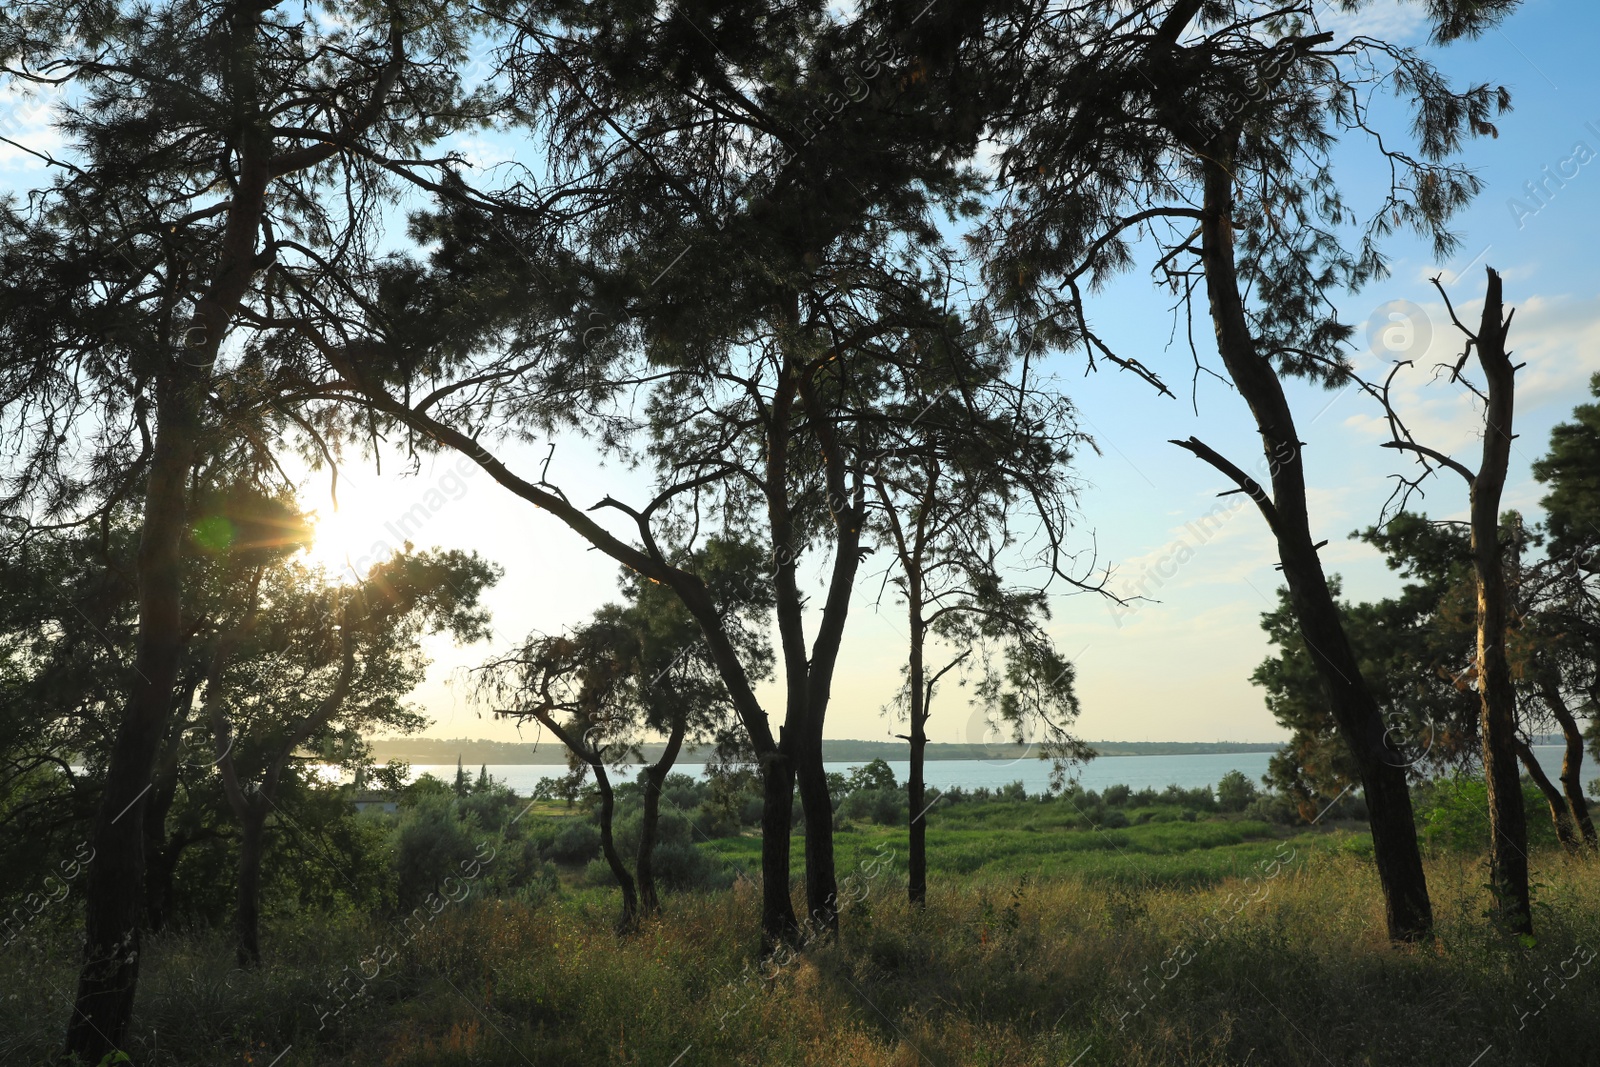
(1235, 792)
(1199, 798)
(1273, 809)
(885, 807)
(681, 866)
(1116, 796)
(1454, 813)
(430, 846)
(874, 776)
(576, 841)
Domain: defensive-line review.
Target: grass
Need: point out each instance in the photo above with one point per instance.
(1041, 841)
(1138, 947)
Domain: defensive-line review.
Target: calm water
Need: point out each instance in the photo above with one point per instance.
(1157, 772)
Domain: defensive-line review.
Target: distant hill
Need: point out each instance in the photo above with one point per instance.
(425, 750)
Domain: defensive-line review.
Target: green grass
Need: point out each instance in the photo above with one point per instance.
(1035, 841)
(1074, 951)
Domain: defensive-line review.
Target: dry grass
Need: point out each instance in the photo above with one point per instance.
(1292, 970)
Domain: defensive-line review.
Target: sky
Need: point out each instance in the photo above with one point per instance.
(1176, 665)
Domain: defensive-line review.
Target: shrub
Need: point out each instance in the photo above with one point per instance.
(1274, 809)
(1116, 796)
(576, 841)
(886, 807)
(1235, 792)
(430, 846)
(682, 866)
(1454, 813)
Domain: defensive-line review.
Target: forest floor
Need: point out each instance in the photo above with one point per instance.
(1176, 943)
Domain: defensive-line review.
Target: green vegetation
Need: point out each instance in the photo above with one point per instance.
(1007, 965)
(486, 939)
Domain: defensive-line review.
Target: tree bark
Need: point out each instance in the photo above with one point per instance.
(1508, 828)
(1571, 764)
(164, 851)
(1560, 814)
(247, 913)
(779, 926)
(917, 736)
(114, 885)
(916, 786)
(655, 775)
(629, 920)
(1408, 912)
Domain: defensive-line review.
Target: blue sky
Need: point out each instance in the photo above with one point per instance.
(1178, 667)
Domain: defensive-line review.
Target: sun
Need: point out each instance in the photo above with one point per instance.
(337, 544)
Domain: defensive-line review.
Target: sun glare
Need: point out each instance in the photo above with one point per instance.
(337, 545)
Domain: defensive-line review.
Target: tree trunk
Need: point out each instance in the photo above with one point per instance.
(1572, 767)
(159, 873)
(629, 920)
(1508, 829)
(917, 842)
(655, 775)
(247, 914)
(778, 924)
(114, 888)
(161, 852)
(1560, 815)
(114, 885)
(1408, 912)
(822, 901)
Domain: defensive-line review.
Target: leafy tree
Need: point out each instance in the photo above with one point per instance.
(948, 505)
(637, 668)
(220, 154)
(874, 775)
(1418, 651)
(1497, 727)
(1568, 587)
(1209, 128)
(766, 281)
(312, 664)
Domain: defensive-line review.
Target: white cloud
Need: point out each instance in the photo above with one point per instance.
(1396, 21)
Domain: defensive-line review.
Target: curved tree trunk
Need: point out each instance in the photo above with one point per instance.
(161, 852)
(1560, 814)
(655, 775)
(629, 921)
(1408, 912)
(114, 888)
(1572, 765)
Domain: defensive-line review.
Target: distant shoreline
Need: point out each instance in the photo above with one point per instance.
(431, 751)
